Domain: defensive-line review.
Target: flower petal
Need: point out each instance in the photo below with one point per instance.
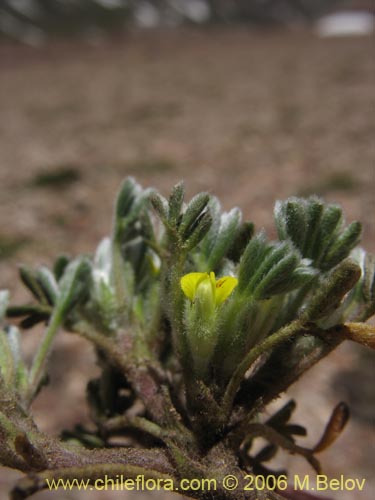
(190, 282)
(224, 287)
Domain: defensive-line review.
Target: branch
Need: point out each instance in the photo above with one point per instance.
(361, 333)
(145, 376)
(84, 467)
(269, 343)
(273, 377)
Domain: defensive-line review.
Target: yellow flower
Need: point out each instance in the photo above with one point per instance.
(207, 288)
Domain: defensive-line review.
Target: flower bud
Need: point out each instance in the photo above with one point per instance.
(206, 294)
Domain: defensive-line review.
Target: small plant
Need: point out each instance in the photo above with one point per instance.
(198, 323)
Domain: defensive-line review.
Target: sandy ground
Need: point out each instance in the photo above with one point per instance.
(249, 117)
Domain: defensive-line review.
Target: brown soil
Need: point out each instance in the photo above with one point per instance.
(249, 117)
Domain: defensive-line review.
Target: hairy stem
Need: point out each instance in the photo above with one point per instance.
(361, 333)
(146, 377)
(269, 343)
(40, 360)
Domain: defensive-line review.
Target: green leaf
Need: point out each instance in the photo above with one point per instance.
(343, 245)
(103, 256)
(329, 227)
(277, 278)
(314, 212)
(277, 252)
(28, 278)
(47, 281)
(316, 230)
(368, 288)
(147, 229)
(191, 216)
(241, 240)
(126, 197)
(227, 232)
(176, 200)
(300, 277)
(255, 252)
(4, 302)
(13, 335)
(160, 206)
(33, 320)
(59, 266)
(28, 309)
(291, 221)
(331, 291)
(202, 226)
(360, 305)
(74, 285)
(12, 367)
(208, 242)
(103, 303)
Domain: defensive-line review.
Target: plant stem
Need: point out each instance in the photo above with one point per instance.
(7, 426)
(269, 343)
(122, 421)
(361, 333)
(40, 359)
(142, 376)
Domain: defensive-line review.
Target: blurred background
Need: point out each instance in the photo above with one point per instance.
(251, 100)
